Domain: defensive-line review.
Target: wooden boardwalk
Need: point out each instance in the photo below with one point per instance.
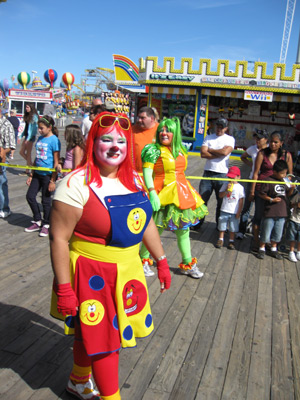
(234, 334)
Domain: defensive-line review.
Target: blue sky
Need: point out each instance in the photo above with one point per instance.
(71, 36)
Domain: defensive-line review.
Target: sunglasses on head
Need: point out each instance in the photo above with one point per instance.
(107, 120)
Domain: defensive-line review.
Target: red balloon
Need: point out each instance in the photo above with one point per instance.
(68, 79)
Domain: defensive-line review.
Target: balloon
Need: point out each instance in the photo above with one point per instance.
(50, 76)
(62, 85)
(68, 79)
(23, 79)
(5, 85)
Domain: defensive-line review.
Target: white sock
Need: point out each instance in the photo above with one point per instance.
(273, 248)
(262, 249)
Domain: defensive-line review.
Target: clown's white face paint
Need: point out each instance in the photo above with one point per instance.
(165, 137)
(110, 151)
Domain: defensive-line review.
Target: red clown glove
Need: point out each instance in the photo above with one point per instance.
(67, 302)
(164, 276)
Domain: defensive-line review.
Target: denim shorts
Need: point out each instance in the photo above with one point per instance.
(293, 231)
(271, 229)
(226, 219)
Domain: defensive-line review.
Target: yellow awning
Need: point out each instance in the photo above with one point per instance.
(172, 90)
(223, 93)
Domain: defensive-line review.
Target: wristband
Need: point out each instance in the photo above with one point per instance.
(271, 200)
(150, 189)
(162, 257)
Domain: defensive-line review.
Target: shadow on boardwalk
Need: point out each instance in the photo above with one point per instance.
(232, 335)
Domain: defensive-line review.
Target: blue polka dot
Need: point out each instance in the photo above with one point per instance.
(96, 282)
(69, 321)
(128, 333)
(115, 323)
(148, 320)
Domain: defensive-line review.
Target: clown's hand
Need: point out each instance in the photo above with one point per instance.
(164, 276)
(154, 200)
(67, 302)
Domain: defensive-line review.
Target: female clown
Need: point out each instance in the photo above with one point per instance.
(99, 217)
(176, 204)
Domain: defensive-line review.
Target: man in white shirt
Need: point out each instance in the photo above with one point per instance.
(216, 148)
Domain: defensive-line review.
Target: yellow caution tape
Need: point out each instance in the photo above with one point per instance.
(204, 178)
(238, 180)
(32, 167)
(188, 177)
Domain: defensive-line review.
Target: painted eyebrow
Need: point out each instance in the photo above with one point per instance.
(106, 137)
(122, 138)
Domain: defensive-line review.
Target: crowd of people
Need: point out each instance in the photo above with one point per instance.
(104, 218)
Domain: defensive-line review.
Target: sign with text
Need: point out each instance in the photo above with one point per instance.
(258, 96)
(28, 94)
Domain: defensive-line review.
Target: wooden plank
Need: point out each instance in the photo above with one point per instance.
(293, 296)
(189, 377)
(165, 377)
(28, 271)
(260, 366)
(282, 384)
(236, 380)
(216, 365)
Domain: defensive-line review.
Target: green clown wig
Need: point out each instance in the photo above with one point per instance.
(173, 126)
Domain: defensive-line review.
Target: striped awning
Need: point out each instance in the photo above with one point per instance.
(240, 95)
(223, 93)
(286, 99)
(173, 90)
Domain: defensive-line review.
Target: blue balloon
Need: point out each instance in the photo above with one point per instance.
(50, 76)
(5, 85)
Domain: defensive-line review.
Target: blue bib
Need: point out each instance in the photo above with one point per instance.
(130, 215)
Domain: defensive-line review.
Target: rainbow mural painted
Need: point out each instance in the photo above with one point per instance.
(127, 73)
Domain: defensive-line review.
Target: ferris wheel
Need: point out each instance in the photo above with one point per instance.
(97, 80)
(288, 23)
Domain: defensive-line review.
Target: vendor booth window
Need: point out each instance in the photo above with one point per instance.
(176, 105)
(40, 108)
(17, 105)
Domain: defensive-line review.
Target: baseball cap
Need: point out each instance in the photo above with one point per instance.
(261, 133)
(233, 172)
(222, 122)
